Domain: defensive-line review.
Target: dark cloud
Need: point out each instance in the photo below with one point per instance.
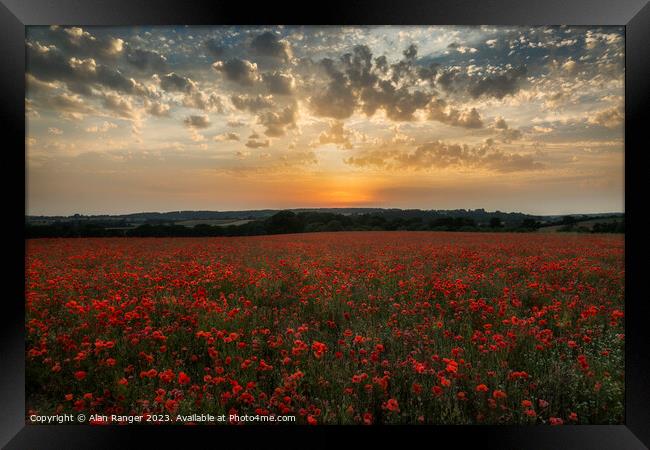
(500, 85)
(81, 43)
(252, 103)
(268, 44)
(438, 110)
(279, 83)
(239, 71)
(504, 132)
(172, 82)
(357, 83)
(146, 59)
(47, 63)
(497, 84)
(276, 123)
(197, 121)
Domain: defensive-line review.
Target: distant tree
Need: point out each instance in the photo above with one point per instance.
(334, 225)
(495, 222)
(530, 224)
(284, 222)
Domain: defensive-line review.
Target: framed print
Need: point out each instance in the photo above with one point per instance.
(364, 221)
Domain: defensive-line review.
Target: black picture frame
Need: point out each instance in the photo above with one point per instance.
(633, 14)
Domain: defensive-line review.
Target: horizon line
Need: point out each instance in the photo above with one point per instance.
(316, 208)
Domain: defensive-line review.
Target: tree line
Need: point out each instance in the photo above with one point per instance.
(285, 222)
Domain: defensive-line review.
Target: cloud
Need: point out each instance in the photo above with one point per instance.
(268, 44)
(197, 121)
(121, 105)
(82, 43)
(55, 131)
(439, 111)
(146, 59)
(279, 83)
(206, 102)
(70, 103)
(255, 143)
(495, 82)
(357, 81)
(504, 132)
(336, 134)
(47, 63)
(239, 71)
(226, 137)
(338, 101)
(235, 123)
(252, 103)
(276, 123)
(500, 85)
(102, 128)
(610, 118)
(172, 82)
(157, 109)
(440, 155)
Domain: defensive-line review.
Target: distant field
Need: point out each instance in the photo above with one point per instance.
(587, 224)
(212, 222)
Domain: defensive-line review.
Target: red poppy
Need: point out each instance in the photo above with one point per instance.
(392, 405)
(80, 375)
(183, 379)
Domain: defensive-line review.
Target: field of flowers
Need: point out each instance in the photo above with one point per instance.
(335, 328)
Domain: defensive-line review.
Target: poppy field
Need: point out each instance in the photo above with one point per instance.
(355, 328)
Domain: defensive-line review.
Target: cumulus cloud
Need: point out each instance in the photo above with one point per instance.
(48, 63)
(440, 155)
(207, 102)
(276, 123)
(279, 83)
(499, 85)
(146, 59)
(441, 112)
(495, 83)
(120, 105)
(172, 82)
(158, 109)
(83, 43)
(504, 132)
(256, 143)
(359, 82)
(336, 134)
(252, 103)
(268, 44)
(197, 121)
(227, 137)
(610, 117)
(239, 71)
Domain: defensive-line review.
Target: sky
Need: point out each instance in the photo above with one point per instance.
(131, 119)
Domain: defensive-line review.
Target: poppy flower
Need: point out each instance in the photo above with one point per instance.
(80, 375)
(392, 405)
(183, 379)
